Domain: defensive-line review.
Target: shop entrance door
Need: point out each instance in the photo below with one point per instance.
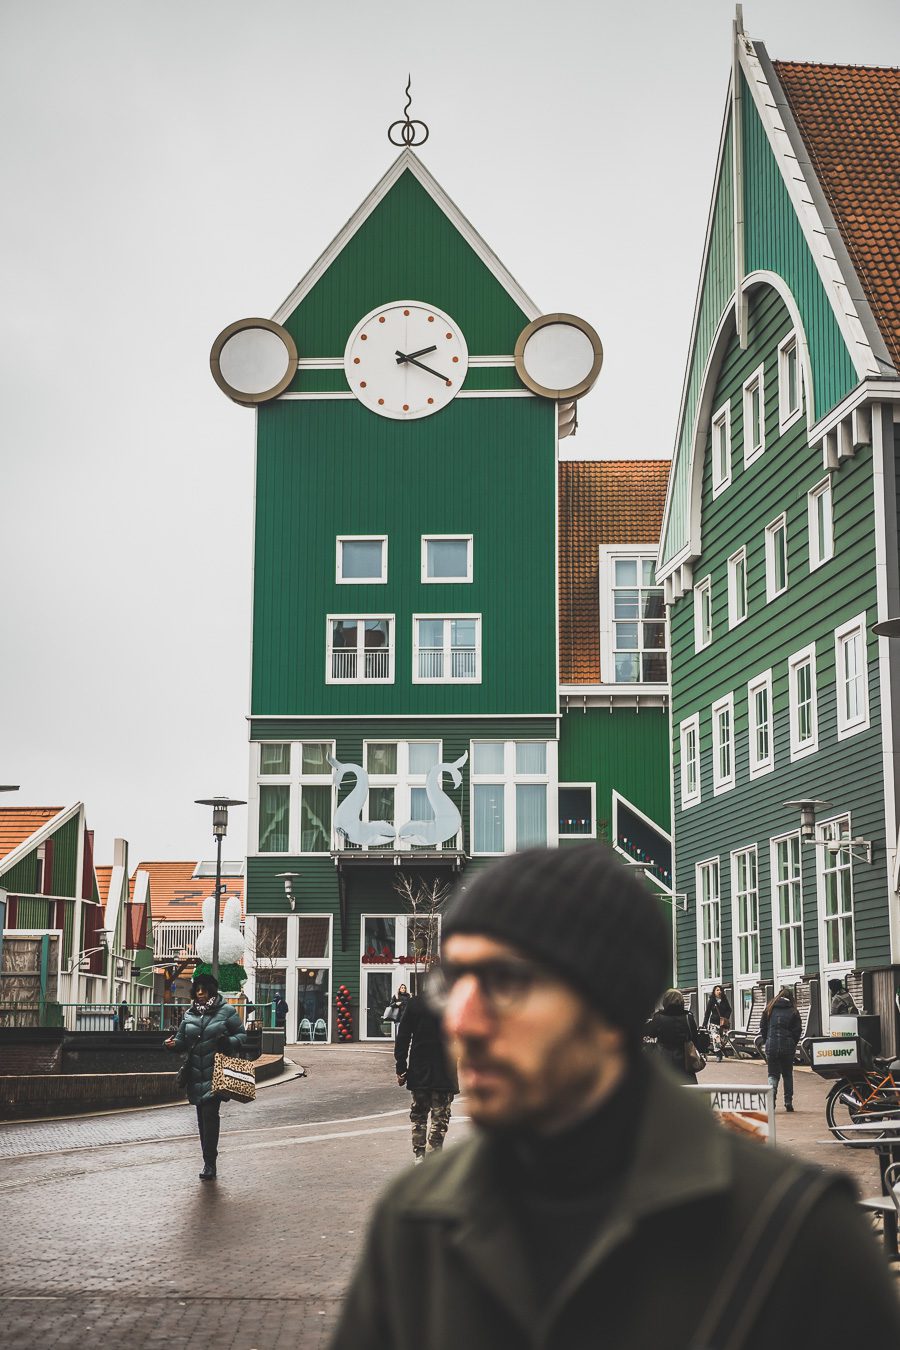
(396, 950)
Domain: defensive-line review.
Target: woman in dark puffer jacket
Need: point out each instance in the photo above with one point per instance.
(672, 1028)
(210, 1025)
(780, 1027)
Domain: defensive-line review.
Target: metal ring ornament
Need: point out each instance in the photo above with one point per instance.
(408, 134)
(575, 390)
(242, 395)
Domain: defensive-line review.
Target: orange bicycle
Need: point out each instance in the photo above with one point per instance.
(868, 1097)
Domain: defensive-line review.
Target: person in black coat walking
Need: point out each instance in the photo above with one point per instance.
(672, 1028)
(780, 1027)
(209, 1025)
(425, 1069)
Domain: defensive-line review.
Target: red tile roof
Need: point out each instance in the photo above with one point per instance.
(103, 875)
(600, 502)
(176, 894)
(18, 823)
(849, 118)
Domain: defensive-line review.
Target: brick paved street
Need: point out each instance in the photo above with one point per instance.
(109, 1236)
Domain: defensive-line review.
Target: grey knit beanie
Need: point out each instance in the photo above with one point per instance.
(579, 912)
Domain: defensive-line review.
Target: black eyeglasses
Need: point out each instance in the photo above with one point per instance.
(502, 984)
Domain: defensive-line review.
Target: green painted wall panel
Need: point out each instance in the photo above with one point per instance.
(407, 250)
(484, 467)
(623, 750)
(65, 858)
(815, 603)
(21, 878)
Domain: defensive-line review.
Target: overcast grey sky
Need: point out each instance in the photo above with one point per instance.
(168, 166)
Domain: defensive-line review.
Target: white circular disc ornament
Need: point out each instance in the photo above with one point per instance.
(253, 360)
(558, 356)
(406, 360)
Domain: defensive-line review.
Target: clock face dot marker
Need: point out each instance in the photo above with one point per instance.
(431, 318)
(406, 407)
(362, 384)
(449, 335)
(449, 383)
(456, 358)
(406, 313)
(381, 402)
(363, 336)
(381, 320)
(356, 360)
(431, 400)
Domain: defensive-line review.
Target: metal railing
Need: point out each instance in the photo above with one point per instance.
(175, 937)
(105, 1016)
(376, 665)
(463, 663)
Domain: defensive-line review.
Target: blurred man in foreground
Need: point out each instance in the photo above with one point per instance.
(598, 1203)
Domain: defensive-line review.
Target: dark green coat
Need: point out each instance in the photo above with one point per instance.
(444, 1265)
(200, 1034)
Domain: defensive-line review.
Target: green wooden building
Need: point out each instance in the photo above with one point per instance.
(405, 721)
(779, 548)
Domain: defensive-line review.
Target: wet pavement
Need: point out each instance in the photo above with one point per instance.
(108, 1235)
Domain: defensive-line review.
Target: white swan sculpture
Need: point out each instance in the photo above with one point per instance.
(447, 820)
(348, 819)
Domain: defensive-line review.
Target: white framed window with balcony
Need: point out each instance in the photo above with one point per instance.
(745, 914)
(446, 558)
(754, 415)
(702, 614)
(360, 649)
(709, 923)
(776, 557)
(446, 649)
(511, 804)
(689, 747)
(721, 449)
(723, 744)
(737, 588)
(820, 523)
(802, 703)
(361, 559)
(787, 906)
(790, 382)
(633, 627)
(851, 677)
(759, 723)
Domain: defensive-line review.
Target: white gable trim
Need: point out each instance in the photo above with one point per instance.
(787, 157)
(407, 160)
(52, 825)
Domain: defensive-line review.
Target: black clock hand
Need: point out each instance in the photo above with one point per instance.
(411, 361)
(402, 356)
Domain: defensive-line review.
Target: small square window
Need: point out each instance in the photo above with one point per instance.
(531, 757)
(313, 757)
(576, 811)
(362, 561)
(447, 650)
(446, 558)
(487, 757)
(274, 759)
(423, 755)
(381, 758)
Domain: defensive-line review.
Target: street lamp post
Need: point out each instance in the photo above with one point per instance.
(220, 807)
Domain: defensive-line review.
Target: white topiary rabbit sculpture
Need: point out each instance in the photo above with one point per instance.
(231, 940)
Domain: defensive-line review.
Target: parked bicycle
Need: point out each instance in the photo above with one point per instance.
(869, 1097)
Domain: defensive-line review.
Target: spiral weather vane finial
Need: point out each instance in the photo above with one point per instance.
(408, 133)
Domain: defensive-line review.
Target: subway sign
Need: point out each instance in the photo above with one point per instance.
(835, 1052)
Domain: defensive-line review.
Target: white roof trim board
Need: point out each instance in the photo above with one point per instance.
(407, 160)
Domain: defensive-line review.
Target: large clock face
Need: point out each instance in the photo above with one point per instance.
(406, 360)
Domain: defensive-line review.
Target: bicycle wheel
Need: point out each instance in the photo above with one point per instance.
(848, 1104)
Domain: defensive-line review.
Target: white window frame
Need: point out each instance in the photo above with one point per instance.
(447, 663)
(723, 707)
(608, 555)
(402, 782)
(702, 593)
(800, 749)
(757, 379)
(776, 526)
(821, 489)
(721, 420)
(689, 726)
(292, 962)
(828, 863)
(592, 833)
(760, 765)
(447, 581)
(787, 415)
(361, 539)
(739, 555)
(712, 866)
(295, 779)
(855, 630)
(360, 649)
(789, 973)
(510, 779)
(743, 979)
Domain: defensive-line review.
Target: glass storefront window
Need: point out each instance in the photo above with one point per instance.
(380, 937)
(271, 938)
(378, 987)
(269, 984)
(312, 1003)
(313, 938)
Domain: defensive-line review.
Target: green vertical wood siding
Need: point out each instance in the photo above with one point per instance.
(846, 773)
(65, 858)
(624, 750)
(407, 249)
(773, 242)
(483, 467)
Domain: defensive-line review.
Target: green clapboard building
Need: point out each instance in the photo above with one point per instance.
(779, 550)
(405, 718)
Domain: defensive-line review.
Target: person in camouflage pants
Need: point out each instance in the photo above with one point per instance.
(423, 1068)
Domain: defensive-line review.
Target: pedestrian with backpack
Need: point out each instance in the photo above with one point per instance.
(780, 1028)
